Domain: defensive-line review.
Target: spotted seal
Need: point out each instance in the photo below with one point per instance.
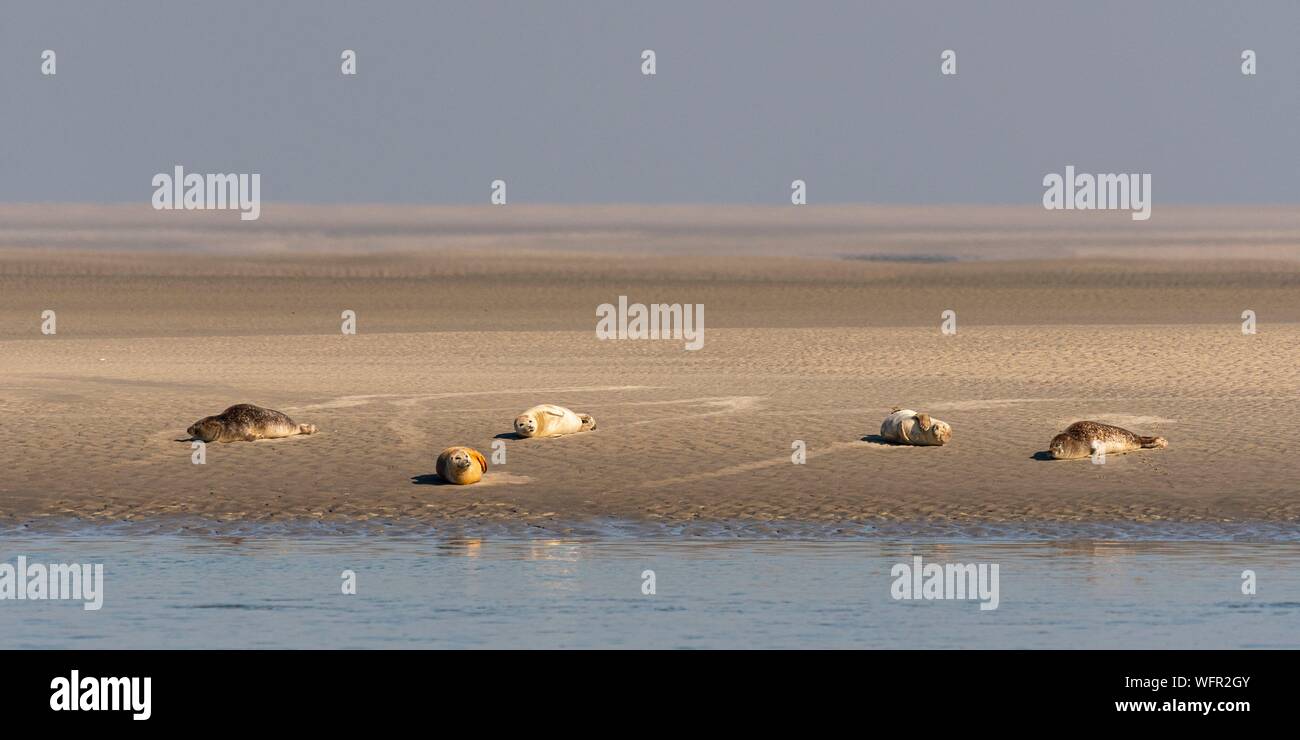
(245, 422)
(1080, 438)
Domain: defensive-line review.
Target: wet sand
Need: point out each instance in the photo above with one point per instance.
(816, 324)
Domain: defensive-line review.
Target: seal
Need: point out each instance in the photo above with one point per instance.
(245, 422)
(1079, 439)
(908, 427)
(461, 465)
(549, 420)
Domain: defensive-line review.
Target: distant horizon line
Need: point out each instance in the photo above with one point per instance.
(644, 204)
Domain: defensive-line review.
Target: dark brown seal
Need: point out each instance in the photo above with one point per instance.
(245, 422)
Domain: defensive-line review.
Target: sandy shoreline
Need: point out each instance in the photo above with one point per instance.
(453, 342)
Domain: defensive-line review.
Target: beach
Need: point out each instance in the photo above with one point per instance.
(818, 321)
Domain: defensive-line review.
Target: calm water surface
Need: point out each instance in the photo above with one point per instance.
(186, 591)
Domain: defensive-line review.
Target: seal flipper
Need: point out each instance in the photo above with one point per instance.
(1153, 442)
(588, 423)
(482, 461)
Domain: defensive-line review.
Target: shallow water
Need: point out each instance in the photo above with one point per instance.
(650, 530)
(233, 592)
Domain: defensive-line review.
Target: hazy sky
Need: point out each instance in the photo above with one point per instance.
(549, 96)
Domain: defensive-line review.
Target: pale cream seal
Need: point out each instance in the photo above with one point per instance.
(908, 427)
(549, 420)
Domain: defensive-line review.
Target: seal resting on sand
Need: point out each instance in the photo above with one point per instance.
(245, 422)
(461, 465)
(1079, 438)
(549, 420)
(908, 427)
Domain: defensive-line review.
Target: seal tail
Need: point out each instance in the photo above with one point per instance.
(588, 423)
(1156, 442)
(306, 428)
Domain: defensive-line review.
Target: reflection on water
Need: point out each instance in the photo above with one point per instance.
(469, 548)
(465, 533)
(172, 591)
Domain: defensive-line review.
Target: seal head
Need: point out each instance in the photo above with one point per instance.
(526, 424)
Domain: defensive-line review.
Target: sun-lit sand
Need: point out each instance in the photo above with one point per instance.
(817, 321)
